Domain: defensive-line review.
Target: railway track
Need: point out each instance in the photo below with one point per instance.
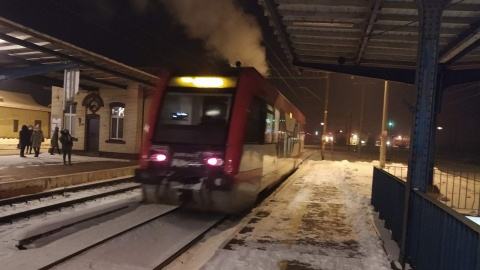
(36, 204)
(123, 234)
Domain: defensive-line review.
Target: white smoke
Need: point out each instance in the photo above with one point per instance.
(224, 28)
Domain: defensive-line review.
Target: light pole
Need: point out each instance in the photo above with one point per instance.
(325, 117)
(361, 120)
(384, 123)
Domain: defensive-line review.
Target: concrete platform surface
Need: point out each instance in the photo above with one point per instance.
(20, 176)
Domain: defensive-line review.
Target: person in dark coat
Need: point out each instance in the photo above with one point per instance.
(29, 144)
(24, 137)
(67, 144)
(54, 142)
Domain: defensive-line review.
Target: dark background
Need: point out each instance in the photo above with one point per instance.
(143, 34)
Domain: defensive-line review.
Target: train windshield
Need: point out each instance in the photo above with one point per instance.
(193, 118)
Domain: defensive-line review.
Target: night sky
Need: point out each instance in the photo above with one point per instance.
(144, 34)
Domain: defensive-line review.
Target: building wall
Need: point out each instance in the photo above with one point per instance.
(133, 120)
(24, 117)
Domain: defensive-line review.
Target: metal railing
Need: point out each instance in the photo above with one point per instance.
(437, 237)
(457, 189)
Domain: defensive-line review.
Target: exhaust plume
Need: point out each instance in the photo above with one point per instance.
(224, 28)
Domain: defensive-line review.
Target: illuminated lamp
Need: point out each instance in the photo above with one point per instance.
(208, 82)
(186, 79)
(160, 157)
(213, 161)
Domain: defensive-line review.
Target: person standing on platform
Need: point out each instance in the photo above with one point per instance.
(24, 137)
(54, 142)
(29, 144)
(37, 139)
(67, 144)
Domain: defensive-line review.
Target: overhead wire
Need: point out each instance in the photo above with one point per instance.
(288, 70)
(462, 89)
(295, 94)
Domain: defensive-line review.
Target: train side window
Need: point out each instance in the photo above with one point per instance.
(255, 128)
(276, 126)
(295, 132)
(269, 126)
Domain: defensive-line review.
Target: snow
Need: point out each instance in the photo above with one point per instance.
(45, 159)
(320, 218)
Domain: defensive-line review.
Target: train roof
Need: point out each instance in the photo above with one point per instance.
(276, 97)
(280, 100)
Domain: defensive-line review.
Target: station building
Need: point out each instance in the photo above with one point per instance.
(103, 103)
(16, 110)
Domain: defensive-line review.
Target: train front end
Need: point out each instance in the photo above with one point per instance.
(183, 159)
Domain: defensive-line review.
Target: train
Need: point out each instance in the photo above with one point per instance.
(215, 141)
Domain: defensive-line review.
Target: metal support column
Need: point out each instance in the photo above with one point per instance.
(430, 13)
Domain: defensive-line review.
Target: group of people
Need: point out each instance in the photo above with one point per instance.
(33, 137)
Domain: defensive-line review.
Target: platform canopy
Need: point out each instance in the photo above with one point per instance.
(373, 38)
(31, 55)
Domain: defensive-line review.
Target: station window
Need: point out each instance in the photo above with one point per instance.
(70, 115)
(15, 125)
(117, 116)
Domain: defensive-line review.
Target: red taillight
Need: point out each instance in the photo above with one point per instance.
(160, 157)
(213, 161)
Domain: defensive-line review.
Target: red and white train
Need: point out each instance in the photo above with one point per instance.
(215, 142)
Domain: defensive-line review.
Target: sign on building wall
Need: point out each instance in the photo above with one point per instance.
(56, 122)
(71, 81)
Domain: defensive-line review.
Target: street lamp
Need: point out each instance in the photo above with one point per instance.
(390, 126)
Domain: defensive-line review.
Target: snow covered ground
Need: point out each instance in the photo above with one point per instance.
(320, 218)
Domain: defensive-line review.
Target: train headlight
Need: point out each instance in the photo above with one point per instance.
(214, 161)
(160, 157)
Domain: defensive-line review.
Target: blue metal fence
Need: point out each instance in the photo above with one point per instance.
(438, 237)
(388, 197)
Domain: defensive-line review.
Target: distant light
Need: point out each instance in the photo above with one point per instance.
(316, 132)
(322, 123)
(439, 128)
(341, 131)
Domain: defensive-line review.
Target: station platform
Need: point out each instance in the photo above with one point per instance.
(319, 219)
(21, 176)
